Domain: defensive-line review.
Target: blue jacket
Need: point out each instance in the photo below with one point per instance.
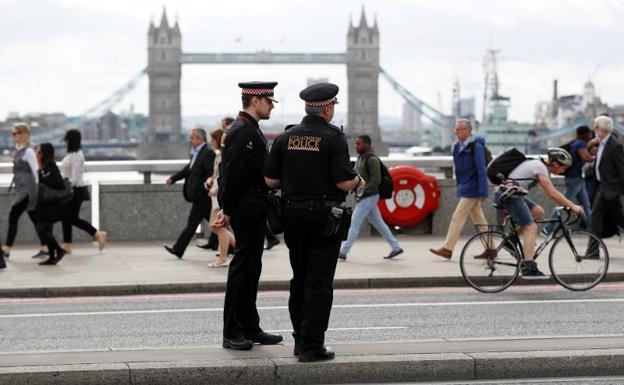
(470, 169)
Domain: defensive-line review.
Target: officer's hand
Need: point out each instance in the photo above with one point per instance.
(169, 181)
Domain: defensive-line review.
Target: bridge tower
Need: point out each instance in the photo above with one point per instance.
(164, 51)
(363, 80)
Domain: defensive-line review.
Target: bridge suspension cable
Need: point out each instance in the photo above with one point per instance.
(435, 116)
(107, 104)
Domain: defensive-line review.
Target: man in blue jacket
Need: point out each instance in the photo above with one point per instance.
(472, 188)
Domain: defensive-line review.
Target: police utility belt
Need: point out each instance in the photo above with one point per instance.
(338, 215)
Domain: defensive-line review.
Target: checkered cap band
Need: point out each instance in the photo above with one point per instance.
(322, 103)
(258, 91)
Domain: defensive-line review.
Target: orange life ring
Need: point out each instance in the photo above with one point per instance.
(415, 195)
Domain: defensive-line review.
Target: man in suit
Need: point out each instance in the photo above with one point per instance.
(609, 173)
(194, 174)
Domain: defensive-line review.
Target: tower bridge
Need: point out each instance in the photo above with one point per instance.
(165, 60)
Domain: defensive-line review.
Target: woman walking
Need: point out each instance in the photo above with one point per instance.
(49, 211)
(72, 168)
(225, 236)
(24, 183)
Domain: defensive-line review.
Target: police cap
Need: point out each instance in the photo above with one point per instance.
(258, 89)
(320, 95)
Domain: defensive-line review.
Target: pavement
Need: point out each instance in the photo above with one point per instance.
(129, 268)
(414, 361)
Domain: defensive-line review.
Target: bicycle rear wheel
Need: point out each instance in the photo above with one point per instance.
(497, 270)
(580, 262)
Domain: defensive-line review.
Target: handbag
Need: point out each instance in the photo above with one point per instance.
(82, 192)
(48, 195)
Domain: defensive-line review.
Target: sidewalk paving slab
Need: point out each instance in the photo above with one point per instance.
(127, 268)
(434, 360)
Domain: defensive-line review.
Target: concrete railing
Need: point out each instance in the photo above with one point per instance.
(143, 211)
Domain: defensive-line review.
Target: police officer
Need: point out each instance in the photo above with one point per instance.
(242, 192)
(310, 162)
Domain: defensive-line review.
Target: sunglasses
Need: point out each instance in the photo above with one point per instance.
(15, 133)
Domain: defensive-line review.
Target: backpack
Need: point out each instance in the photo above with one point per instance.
(488, 153)
(386, 187)
(568, 146)
(503, 165)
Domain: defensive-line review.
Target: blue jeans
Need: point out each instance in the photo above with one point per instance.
(574, 191)
(367, 208)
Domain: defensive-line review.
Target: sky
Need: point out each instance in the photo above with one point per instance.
(69, 55)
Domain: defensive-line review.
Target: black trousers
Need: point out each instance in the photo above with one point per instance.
(606, 216)
(45, 230)
(240, 315)
(71, 210)
(200, 210)
(14, 215)
(313, 260)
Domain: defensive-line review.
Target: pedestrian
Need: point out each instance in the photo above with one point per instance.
(368, 166)
(574, 184)
(2, 262)
(213, 239)
(48, 212)
(469, 159)
(72, 168)
(25, 182)
(608, 210)
(242, 197)
(195, 173)
(226, 240)
(310, 162)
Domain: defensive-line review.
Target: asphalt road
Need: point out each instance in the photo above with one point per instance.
(64, 324)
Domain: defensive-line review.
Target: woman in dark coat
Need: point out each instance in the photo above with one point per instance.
(47, 213)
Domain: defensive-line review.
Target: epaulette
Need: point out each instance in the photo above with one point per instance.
(339, 129)
(288, 127)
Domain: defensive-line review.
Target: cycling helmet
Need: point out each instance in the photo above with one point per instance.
(559, 155)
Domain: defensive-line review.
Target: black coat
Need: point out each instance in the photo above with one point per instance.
(611, 169)
(51, 177)
(194, 177)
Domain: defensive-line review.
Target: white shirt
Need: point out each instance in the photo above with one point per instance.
(194, 153)
(30, 158)
(72, 168)
(601, 147)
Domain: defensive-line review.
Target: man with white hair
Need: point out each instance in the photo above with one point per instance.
(609, 171)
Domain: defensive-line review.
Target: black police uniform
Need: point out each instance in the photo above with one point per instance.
(309, 159)
(242, 192)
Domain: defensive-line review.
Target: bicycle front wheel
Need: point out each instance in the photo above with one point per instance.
(489, 262)
(579, 260)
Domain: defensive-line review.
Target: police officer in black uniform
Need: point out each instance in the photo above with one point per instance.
(242, 192)
(310, 162)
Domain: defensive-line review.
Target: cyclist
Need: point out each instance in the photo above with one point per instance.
(525, 211)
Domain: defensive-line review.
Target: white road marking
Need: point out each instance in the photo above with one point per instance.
(346, 329)
(346, 306)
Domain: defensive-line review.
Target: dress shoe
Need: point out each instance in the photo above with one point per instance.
(59, 255)
(207, 246)
(40, 254)
(264, 338)
(442, 252)
(342, 256)
(173, 251)
(487, 253)
(323, 354)
(394, 253)
(270, 244)
(50, 261)
(237, 343)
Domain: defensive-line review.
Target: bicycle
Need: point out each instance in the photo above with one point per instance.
(578, 259)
